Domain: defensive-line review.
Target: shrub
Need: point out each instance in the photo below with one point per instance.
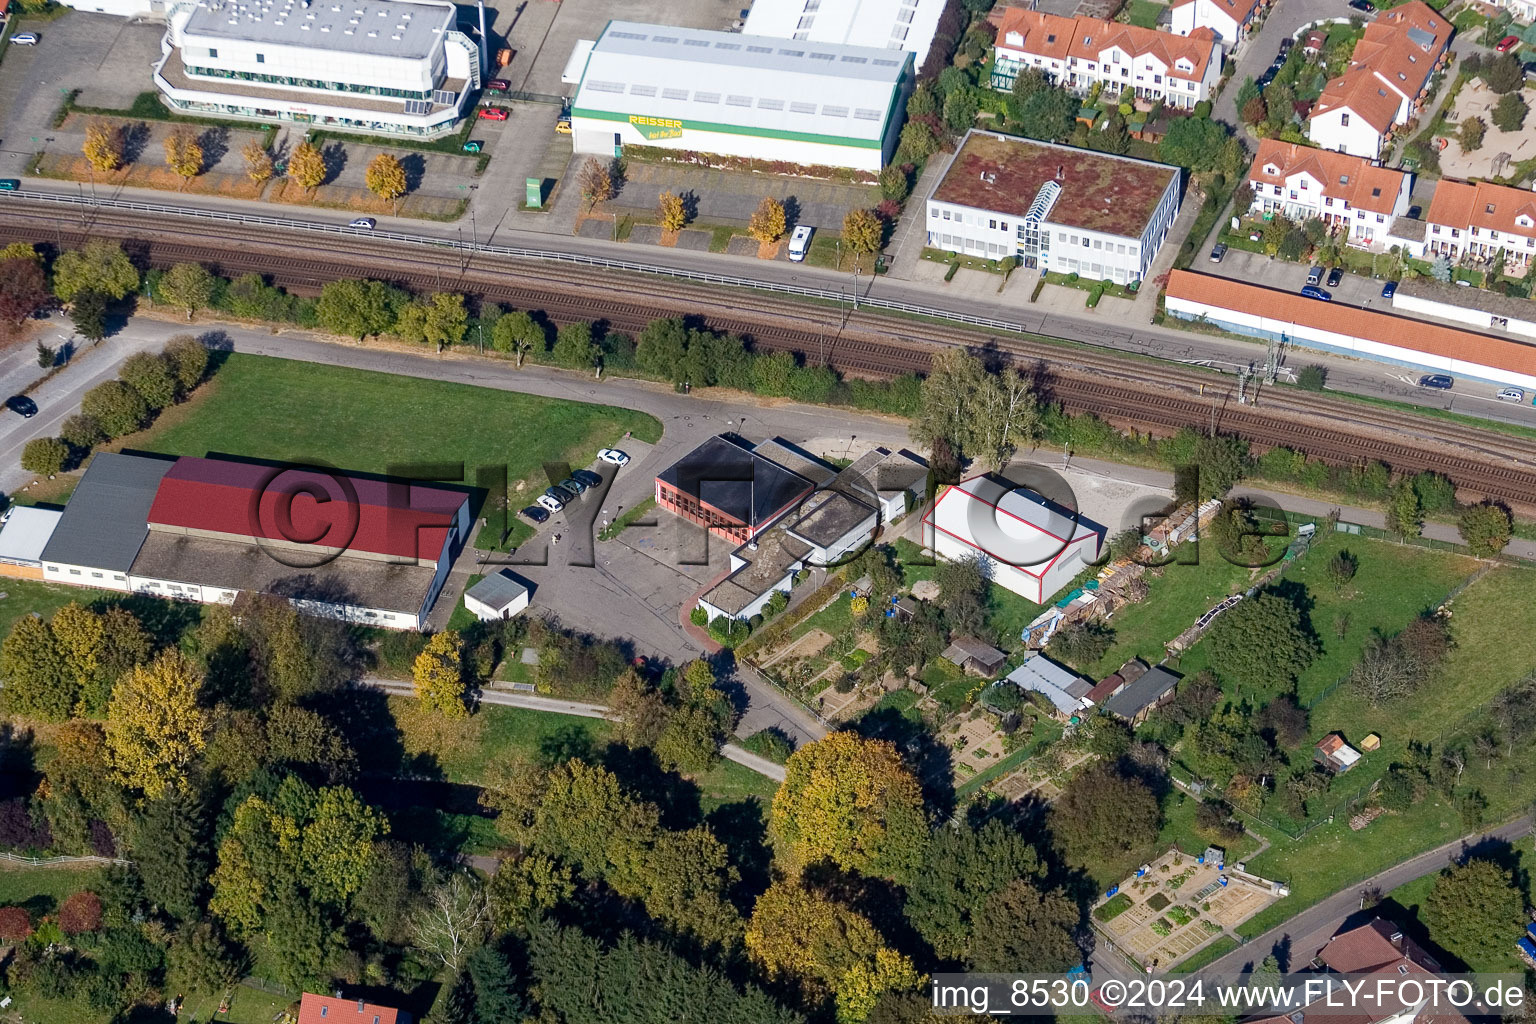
(1312, 377)
(844, 684)
(15, 924)
(949, 275)
(755, 621)
(44, 456)
(80, 913)
(699, 617)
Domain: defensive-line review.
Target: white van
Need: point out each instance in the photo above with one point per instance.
(799, 244)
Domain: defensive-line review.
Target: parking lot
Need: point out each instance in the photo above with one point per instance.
(1253, 267)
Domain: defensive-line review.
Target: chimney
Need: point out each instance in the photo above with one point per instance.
(1397, 939)
(1061, 171)
(359, 1006)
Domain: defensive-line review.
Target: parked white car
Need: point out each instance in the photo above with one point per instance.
(613, 457)
(552, 504)
(25, 39)
(1510, 395)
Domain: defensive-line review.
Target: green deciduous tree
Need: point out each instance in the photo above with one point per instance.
(519, 333)
(37, 681)
(575, 347)
(1195, 143)
(963, 868)
(1026, 927)
(151, 377)
(1103, 815)
(853, 801)
(440, 319)
(100, 266)
(187, 359)
(1509, 113)
(1473, 909)
(358, 308)
(1486, 528)
(1405, 512)
(1047, 113)
(1471, 133)
(980, 415)
(188, 285)
(117, 408)
(45, 456)
(1260, 645)
(1503, 73)
(168, 839)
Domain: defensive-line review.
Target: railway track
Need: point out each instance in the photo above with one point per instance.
(1127, 390)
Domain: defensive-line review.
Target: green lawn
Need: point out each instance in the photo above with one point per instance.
(280, 409)
(42, 889)
(23, 597)
(1179, 830)
(1177, 595)
(730, 783)
(501, 732)
(1494, 626)
(1145, 13)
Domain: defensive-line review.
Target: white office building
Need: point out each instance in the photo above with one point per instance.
(892, 24)
(383, 67)
(1054, 207)
(800, 103)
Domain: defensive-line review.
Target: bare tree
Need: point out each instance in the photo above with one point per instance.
(1384, 672)
(452, 921)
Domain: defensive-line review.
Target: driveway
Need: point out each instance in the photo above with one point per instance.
(1285, 19)
(1240, 265)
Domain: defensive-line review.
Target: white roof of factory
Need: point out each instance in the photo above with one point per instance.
(26, 532)
(891, 24)
(752, 82)
(385, 28)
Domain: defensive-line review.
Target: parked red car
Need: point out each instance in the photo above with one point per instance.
(1507, 43)
(493, 113)
(497, 85)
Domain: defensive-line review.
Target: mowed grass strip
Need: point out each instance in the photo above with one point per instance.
(370, 422)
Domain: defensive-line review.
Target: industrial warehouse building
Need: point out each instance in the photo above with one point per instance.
(1054, 207)
(1293, 319)
(376, 66)
(369, 550)
(810, 104)
(893, 25)
(1032, 546)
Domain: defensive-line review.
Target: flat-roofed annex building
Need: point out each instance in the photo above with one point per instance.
(1054, 207)
(891, 24)
(376, 66)
(804, 103)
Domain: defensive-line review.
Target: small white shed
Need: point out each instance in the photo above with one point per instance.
(499, 596)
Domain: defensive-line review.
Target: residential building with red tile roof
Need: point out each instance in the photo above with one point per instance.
(1229, 20)
(1388, 79)
(1076, 53)
(315, 1009)
(1272, 314)
(1377, 947)
(1477, 220)
(1348, 193)
(1053, 207)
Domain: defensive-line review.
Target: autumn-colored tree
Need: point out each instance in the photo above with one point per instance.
(184, 154)
(258, 162)
(188, 360)
(800, 936)
(15, 924)
(596, 182)
(23, 290)
(21, 251)
(851, 800)
(307, 166)
(863, 231)
(439, 674)
(80, 913)
(103, 146)
(768, 222)
(671, 211)
(155, 725)
(150, 376)
(385, 177)
(188, 285)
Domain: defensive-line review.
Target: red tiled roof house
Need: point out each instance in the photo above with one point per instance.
(315, 1009)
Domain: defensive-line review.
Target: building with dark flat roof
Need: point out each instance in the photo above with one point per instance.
(105, 522)
(1135, 701)
(729, 489)
(1054, 207)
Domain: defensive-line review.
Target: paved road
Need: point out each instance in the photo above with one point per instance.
(1311, 928)
(554, 705)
